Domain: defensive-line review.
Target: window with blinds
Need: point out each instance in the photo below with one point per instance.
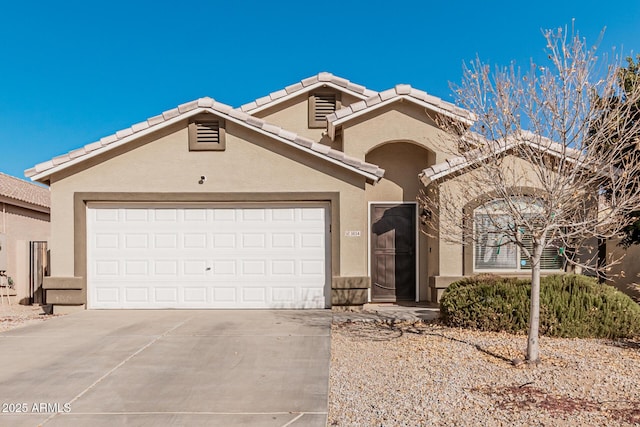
(494, 250)
(320, 106)
(552, 257)
(206, 133)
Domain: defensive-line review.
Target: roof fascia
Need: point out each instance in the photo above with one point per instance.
(23, 204)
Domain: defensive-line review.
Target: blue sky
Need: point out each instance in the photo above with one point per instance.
(75, 71)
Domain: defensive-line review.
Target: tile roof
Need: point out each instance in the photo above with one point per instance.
(305, 85)
(23, 191)
(492, 148)
(399, 92)
(43, 170)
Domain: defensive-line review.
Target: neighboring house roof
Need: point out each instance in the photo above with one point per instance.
(13, 188)
(43, 170)
(389, 96)
(320, 80)
(493, 148)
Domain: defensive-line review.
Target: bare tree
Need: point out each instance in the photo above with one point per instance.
(544, 172)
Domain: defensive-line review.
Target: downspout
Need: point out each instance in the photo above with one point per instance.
(4, 218)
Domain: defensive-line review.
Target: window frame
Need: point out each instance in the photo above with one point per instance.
(520, 267)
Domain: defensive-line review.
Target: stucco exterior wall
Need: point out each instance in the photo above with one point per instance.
(625, 273)
(163, 164)
(396, 122)
(293, 115)
(20, 226)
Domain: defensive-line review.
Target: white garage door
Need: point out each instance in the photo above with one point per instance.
(207, 257)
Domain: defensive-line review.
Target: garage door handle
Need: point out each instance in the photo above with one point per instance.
(208, 269)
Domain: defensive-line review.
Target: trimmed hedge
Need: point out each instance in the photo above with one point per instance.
(571, 306)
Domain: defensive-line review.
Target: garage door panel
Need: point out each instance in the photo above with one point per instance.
(224, 268)
(194, 240)
(166, 294)
(195, 294)
(136, 267)
(108, 294)
(195, 268)
(136, 294)
(224, 240)
(207, 257)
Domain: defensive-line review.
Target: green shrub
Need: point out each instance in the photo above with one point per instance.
(570, 306)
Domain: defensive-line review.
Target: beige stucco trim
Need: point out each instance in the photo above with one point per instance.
(82, 199)
(417, 242)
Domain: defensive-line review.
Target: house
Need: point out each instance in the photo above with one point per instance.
(24, 222)
(304, 198)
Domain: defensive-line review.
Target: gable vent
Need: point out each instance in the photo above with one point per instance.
(321, 105)
(325, 105)
(206, 134)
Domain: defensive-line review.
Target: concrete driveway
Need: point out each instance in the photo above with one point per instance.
(184, 368)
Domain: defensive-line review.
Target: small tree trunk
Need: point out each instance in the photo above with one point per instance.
(533, 346)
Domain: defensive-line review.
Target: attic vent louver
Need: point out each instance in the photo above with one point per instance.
(321, 105)
(206, 134)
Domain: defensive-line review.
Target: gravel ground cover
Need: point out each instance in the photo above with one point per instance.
(403, 374)
(430, 375)
(16, 315)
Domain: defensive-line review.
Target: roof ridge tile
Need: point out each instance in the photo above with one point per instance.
(254, 121)
(387, 94)
(403, 89)
(155, 120)
(188, 106)
(293, 88)
(263, 100)
(140, 126)
(304, 84)
(123, 133)
(170, 114)
(324, 76)
(277, 94)
(206, 104)
(309, 81)
(268, 127)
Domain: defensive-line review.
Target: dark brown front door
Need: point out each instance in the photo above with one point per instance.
(393, 252)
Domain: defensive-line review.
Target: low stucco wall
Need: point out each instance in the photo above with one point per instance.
(624, 274)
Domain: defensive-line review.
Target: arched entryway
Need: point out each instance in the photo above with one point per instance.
(398, 256)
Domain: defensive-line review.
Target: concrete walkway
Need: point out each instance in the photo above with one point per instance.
(168, 367)
(390, 313)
